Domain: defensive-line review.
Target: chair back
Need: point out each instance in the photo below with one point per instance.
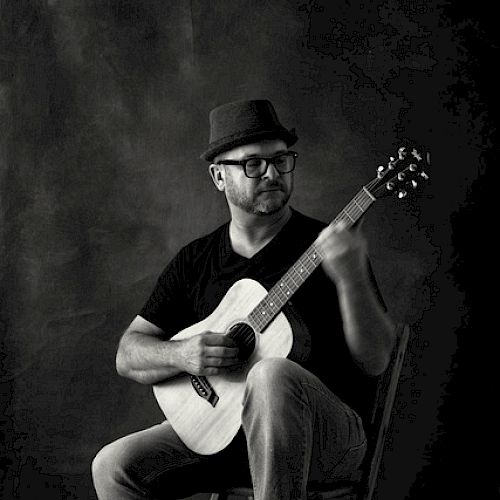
(387, 386)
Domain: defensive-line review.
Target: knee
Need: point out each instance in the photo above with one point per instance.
(108, 468)
(272, 379)
(268, 370)
(102, 467)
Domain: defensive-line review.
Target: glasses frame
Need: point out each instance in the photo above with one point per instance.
(268, 161)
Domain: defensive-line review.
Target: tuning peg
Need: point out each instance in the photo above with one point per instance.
(402, 153)
(424, 175)
(402, 193)
(411, 185)
(390, 186)
(416, 155)
(380, 171)
(413, 167)
(401, 176)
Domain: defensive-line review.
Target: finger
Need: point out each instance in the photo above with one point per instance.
(325, 234)
(331, 238)
(221, 362)
(221, 352)
(339, 226)
(218, 339)
(333, 231)
(210, 371)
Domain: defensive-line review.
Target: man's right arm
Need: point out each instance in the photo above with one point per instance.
(144, 354)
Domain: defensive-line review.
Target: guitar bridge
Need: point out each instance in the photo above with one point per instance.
(204, 389)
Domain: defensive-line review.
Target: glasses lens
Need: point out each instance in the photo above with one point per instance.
(284, 163)
(255, 167)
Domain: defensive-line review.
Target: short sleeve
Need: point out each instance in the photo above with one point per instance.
(167, 307)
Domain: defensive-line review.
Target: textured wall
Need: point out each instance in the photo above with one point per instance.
(103, 113)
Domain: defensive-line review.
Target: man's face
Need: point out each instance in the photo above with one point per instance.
(263, 195)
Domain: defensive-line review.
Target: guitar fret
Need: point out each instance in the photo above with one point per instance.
(347, 213)
(358, 205)
(345, 220)
(372, 198)
(358, 208)
(296, 276)
(284, 288)
(355, 208)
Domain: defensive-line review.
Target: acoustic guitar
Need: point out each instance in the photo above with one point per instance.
(205, 411)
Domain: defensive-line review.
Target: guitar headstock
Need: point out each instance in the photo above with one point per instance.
(402, 175)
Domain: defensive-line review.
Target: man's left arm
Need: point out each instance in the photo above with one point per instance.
(368, 329)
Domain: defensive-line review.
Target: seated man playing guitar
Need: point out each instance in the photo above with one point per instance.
(268, 388)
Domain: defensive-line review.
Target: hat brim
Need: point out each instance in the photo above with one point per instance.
(218, 147)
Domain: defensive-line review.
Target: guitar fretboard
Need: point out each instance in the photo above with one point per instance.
(291, 281)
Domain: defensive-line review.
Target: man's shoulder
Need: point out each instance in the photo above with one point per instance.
(204, 243)
(192, 257)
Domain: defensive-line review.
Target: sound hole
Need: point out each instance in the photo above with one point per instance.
(244, 337)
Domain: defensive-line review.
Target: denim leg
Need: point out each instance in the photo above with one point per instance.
(297, 431)
(155, 464)
(129, 467)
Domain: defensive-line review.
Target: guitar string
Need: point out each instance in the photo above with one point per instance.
(241, 327)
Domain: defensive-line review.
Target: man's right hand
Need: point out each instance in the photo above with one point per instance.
(208, 353)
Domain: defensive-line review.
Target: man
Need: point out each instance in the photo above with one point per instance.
(301, 416)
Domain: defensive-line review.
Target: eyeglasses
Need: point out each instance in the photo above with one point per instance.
(257, 166)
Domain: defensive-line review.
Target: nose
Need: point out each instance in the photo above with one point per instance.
(271, 172)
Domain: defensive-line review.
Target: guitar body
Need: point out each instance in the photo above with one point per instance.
(203, 427)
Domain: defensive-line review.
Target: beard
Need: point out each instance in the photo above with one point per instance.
(266, 199)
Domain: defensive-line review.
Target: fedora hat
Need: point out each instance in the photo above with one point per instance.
(242, 122)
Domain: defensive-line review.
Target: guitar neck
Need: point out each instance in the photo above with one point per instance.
(283, 290)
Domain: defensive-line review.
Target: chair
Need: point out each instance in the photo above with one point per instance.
(364, 487)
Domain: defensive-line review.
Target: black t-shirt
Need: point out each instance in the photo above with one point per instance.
(195, 281)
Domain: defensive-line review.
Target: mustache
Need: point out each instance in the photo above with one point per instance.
(272, 185)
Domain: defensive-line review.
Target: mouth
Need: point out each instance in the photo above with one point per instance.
(270, 189)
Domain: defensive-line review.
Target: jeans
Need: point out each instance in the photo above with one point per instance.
(295, 433)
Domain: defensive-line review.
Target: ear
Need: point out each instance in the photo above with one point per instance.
(217, 175)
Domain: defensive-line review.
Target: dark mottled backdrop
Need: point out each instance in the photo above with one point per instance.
(103, 113)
